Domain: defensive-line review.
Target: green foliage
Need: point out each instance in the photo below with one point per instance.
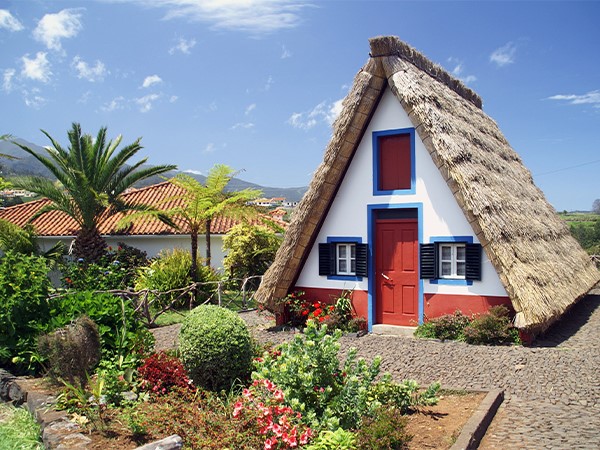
(71, 351)
(117, 376)
(172, 270)
(384, 429)
(250, 250)
(492, 328)
(586, 229)
(216, 347)
(120, 331)
(314, 381)
(92, 175)
(19, 429)
(405, 395)
(115, 270)
(339, 439)
(337, 315)
(24, 308)
(448, 326)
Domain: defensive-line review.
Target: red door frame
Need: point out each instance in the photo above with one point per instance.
(403, 305)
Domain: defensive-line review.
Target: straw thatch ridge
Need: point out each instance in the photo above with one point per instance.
(543, 269)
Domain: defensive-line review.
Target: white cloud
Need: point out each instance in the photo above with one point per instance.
(250, 108)
(147, 102)
(285, 53)
(184, 46)
(114, 104)
(33, 98)
(9, 22)
(150, 80)
(591, 98)
(256, 17)
(458, 70)
(195, 172)
(322, 113)
(7, 78)
(173, 99)
(210, 148)
(269, 83)
(85, 97)
(504, 55)
(243, 125)
(52, 28)
(37, 69)
(88, 72)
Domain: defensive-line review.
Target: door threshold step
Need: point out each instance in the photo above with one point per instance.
(393, 330)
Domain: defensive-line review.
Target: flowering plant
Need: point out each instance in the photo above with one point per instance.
(263, 405)
(161, 372)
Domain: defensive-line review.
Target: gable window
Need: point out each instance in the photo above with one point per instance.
(343, 258)
(394, 162)
(451, 260)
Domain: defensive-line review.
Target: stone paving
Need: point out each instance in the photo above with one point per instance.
(552, 389)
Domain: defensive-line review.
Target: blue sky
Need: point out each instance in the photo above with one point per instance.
(256, 83)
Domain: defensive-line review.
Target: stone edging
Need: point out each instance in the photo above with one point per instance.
(58, 432)
(475, 428)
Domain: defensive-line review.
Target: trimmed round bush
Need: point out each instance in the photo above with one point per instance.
(216, 348)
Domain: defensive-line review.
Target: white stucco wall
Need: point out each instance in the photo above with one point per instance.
(152, 245)
(441, 214)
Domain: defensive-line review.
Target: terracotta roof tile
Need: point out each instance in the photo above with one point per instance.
(56, 223)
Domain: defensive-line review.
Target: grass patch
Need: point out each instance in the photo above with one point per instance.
(18, 429)
(171, 317)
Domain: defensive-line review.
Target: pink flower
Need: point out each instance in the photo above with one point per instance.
(246, 393)
(237, 408)
(304, 437)
(277, 429)
(278, 394)
(269, 444)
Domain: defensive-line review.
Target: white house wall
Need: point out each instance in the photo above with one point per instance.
(152, 245)
(441, 215)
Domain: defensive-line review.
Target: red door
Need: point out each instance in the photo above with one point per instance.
(396, 276)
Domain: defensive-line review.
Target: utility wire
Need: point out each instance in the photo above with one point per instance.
(567, 168)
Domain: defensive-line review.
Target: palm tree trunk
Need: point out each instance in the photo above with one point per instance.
(208, 222)
(194, 267)
(89, 245)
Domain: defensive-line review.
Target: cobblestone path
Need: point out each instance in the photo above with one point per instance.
(552, 389)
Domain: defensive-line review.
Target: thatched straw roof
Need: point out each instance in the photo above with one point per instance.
(543, 269)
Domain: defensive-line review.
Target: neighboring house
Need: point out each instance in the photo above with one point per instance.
(421, 207)
(148, 234)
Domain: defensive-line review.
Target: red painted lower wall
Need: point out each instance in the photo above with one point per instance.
(359, 298)
(439, 304)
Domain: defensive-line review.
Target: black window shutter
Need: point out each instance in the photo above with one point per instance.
(326, 259)
(429, 262)
(362, 257)
(473, 261)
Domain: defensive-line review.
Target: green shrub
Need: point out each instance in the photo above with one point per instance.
(120, 331)
(71, 351)
(215, 346)
(449, 326)
(171, 270)
(339, 439)
(328, 393)
(492, 328)
(24, 309)
(115, 270)
(384, 429)
(405, 395)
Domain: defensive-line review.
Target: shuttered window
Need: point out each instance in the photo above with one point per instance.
(450, 261)
(343, 259)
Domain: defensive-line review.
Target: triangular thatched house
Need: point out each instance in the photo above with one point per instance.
(421, 207)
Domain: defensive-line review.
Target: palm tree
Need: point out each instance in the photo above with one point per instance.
(200, 203)
(91, 179)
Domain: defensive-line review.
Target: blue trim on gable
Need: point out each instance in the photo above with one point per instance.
(354, 239)
(371, 210)
(376, 135)
(447, 281)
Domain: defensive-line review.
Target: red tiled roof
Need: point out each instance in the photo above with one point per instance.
(56, 223)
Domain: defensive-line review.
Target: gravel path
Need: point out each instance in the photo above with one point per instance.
(552, 388)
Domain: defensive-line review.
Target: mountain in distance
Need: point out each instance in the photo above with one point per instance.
(28, 165)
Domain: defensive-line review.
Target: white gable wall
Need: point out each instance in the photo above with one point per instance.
(441, 215)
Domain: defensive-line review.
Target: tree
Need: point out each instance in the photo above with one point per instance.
(199, 204)
(251, 249)
(92, 175)
(596, 206)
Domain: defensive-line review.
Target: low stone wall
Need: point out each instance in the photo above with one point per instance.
(58, 432)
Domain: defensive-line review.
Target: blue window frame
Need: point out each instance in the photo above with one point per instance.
(377, 135)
